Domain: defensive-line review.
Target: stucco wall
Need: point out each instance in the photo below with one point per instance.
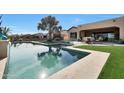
(65, 35)
(74, 30)
(3, 49)
(118, 22)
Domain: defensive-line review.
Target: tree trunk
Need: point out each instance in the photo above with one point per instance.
(50, 35)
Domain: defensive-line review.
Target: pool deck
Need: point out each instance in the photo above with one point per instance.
(88, 67)
(2, 66)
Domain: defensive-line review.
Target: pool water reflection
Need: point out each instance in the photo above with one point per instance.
(28, 61)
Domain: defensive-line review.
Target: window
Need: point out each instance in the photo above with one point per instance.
(104, 36)
(73, 35)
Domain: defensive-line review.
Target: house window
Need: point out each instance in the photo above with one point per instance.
(73, 35)
(104, 36)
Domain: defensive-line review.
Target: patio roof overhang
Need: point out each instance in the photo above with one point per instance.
(104, 29)
(89, 32)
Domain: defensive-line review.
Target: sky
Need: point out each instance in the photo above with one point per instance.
(27, 23)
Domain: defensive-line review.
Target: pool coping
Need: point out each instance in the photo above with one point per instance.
(88, 67)
(45, 44)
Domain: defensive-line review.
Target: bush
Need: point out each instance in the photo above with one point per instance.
(49, 40)
(57, 39)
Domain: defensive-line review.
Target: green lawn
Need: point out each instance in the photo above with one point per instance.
(114, 67)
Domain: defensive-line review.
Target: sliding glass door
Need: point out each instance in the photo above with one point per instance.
(104, 36)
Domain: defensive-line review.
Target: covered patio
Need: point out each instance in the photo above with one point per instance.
(106, 33)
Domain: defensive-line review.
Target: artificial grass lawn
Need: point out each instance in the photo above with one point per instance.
(114, 67)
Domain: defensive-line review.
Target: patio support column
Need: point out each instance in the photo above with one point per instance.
(78, 36)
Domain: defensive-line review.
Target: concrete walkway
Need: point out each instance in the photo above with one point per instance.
(2, 66)
(77, 43)
(88, 67)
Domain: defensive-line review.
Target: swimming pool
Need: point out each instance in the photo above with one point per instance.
(28, 61)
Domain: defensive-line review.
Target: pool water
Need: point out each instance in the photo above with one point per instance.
(28, 61)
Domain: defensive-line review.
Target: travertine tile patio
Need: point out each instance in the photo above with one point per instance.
(88, 67)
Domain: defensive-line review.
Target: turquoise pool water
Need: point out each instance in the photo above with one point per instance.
(28, 61)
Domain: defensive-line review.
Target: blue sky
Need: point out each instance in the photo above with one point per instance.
(27, 23)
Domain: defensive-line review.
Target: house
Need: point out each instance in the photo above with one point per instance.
(65, 35)
(106, 30)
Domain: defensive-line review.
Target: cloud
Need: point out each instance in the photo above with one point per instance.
(77, 19)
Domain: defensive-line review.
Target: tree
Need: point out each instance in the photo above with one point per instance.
(57, 33)
(49, 24)
(0, 23)
(3, 30)
(57, 29)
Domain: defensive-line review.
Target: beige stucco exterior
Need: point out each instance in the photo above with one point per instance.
(3, 56)
(115, 22)
(65, 35)
(74, 29)
(3, 49)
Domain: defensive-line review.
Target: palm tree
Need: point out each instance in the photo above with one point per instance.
(0, 23)
(57, 28)
(5, 31)
(49, 24)
(57, 32)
